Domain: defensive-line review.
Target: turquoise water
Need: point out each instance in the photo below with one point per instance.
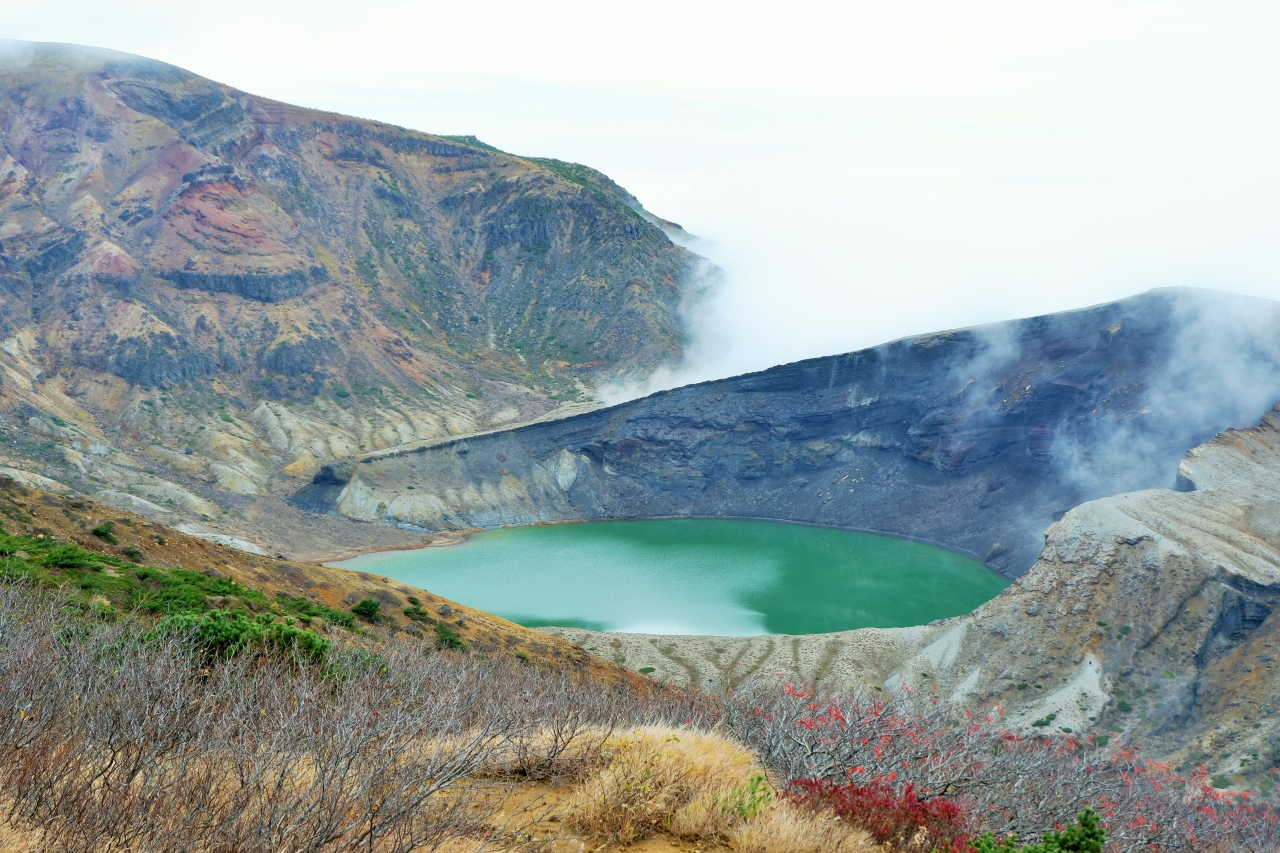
(696, 576)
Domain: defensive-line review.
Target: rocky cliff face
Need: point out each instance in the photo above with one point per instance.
(175, 253)
(975, 439)
(1154, 615)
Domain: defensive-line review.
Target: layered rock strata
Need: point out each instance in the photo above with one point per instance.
(220, 292)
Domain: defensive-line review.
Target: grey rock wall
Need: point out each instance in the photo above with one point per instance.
(976, 439)
(1154, 614)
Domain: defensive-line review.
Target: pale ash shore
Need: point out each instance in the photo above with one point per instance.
(865, 657)
(436, 540)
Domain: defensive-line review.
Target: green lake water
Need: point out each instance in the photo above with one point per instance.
(696, 576)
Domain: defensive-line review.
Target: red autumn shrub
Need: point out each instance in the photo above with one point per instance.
(890, 813)
(1013, 784)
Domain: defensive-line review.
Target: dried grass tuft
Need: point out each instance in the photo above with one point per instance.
(700, 786)
(15, 839)
(648, 779)
(785, 828)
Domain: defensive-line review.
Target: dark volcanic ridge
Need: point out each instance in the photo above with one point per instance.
(976, 439)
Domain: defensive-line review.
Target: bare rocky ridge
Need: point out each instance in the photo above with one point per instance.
(1155, 614)
(205, 294)
(975, 439)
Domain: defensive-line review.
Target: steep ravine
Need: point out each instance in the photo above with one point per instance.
(975, 439)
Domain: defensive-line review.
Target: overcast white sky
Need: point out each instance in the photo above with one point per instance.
(865, 170)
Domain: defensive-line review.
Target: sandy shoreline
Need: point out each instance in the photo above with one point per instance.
(439, 540)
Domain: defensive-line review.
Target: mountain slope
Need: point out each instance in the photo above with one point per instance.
(34, 522)
(175, 253)
(1155, 614)
(976, 439)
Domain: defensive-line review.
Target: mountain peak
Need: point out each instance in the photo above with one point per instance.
(170, 245)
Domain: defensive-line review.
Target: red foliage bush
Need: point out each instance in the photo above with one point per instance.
(1013, 784)
(892, 814)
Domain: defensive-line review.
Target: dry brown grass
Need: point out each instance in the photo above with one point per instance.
(784, 828)
(18, 839)
(648, 775)
(700, 786)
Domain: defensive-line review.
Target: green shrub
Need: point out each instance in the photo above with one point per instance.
(1087, 836)
(133, 552)
(217, 633)
(306, 608)
(288, 638)
(367, 608)
(746, 802)
(417, 614)
(172, 597)
(224, 635)
(70, 557)
(103, 532)
(447, 638)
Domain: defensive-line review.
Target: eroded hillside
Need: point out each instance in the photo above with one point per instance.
(976, 439)
(205, 294)
(1154, 615)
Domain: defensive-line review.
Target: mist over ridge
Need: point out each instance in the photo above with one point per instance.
(976, 438)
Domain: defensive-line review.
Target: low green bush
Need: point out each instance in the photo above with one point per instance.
(125, 586)
(70, 557)
(303, 607)
(221, 634)
(417, 614)
(103, 532)
(447, 638)
(367, 608)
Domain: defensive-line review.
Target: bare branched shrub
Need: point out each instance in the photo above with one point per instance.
(1009, 783)
(114, 738)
